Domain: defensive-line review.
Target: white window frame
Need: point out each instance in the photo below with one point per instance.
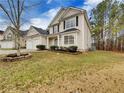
(69, 40)
(9, 36)
(70, 23)
(56, 30)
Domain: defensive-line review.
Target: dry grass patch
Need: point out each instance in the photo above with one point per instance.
(49, 72)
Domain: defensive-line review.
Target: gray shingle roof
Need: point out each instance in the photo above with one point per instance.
(69, 30)
(1, 32)
(40, 30)
(23, 33)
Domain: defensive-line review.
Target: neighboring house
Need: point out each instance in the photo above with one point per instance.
(8, 40)
(70, 27)
(35, 36)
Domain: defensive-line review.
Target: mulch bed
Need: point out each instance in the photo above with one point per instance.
(14, 57)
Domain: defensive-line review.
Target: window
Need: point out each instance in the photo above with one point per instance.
(9, 36)
(69, 39)
(56, 28)
(70, 23)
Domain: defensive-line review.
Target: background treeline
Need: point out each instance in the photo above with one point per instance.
(107, 20)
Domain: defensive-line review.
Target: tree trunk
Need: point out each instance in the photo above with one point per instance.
(18, 42)
(121, 45)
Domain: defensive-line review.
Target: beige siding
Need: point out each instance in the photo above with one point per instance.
(32, 31)
(87, 36)
(70, 13)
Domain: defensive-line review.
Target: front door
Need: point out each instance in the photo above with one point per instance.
(55, 42)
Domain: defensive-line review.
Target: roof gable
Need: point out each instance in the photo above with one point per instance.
(36, 31)
(71, 12)
(8, 30)
(32, 31)
(57, 17)
(65, 12)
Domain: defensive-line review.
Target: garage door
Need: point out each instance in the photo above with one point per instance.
(7, 44)
(31, 44)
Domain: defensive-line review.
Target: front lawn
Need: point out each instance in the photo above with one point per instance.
(49, 72)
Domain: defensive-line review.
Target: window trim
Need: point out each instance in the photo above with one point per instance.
(57, 27)
(75, 23)
(69, 40)
(9, 36)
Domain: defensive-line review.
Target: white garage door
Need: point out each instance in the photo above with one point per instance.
(31, 44)
(7, 44)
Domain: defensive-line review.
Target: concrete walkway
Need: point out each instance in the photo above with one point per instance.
(2, 52)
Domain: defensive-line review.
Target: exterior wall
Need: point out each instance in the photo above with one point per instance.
(87, 36)
(80, 35)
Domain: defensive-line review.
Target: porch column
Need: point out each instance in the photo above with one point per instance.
(47, 43)
(58, 40)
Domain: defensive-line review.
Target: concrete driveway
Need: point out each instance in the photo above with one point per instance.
(2, 52)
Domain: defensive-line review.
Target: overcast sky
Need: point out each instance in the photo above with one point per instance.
(41, 15)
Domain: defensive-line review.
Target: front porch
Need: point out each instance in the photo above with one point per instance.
(53, 41)
(64, 39)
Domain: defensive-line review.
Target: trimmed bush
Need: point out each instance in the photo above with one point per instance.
(54, 48)
(72, 49)
(63, 49)
(15, 55)
(41, 47)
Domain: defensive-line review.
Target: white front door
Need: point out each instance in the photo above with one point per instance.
(55, 42)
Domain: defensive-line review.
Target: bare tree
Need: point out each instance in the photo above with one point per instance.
(13, 11)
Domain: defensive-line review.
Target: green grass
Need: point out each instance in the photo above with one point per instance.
(45, 67)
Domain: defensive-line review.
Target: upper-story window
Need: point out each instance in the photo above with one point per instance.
(56, 29)
(70, 23)
(9, 36)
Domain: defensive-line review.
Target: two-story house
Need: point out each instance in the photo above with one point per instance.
(70, 27)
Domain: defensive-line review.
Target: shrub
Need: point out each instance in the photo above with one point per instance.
(15, 55)
(54, 48)
(72, 49)
(41, 47)
(63, 48)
